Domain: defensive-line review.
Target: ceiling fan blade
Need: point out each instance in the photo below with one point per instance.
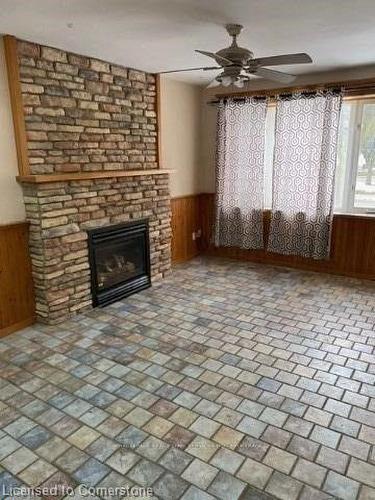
(300, 58)
(220, 59)
(189, 69)
(276, 76)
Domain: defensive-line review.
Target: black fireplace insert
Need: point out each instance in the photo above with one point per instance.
(119, 261)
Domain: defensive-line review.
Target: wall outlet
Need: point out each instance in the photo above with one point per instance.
(196, 234)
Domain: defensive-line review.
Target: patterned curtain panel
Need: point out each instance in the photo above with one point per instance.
(239, 173)
(304, 170)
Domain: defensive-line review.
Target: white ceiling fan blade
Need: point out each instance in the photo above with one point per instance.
(276, 76)
(300, 58)
(220, 59)
(189, 69)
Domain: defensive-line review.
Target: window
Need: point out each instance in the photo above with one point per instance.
(355, 172)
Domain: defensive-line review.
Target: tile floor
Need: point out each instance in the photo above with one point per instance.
(227, 380)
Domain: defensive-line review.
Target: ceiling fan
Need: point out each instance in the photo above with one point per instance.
(238, 63)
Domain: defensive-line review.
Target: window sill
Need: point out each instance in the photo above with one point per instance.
(357, 215)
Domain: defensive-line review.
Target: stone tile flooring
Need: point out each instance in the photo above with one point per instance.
(228, 380)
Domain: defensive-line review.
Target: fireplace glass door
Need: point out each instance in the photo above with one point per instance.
(120, 262)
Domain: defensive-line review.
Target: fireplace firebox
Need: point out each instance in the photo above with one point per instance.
(119, 261)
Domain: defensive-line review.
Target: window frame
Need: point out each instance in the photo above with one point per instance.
(351, 165)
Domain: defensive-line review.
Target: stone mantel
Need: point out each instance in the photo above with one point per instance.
(80, 176)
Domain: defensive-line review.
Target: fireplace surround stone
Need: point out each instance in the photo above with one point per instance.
(60, 215)
(88, 122)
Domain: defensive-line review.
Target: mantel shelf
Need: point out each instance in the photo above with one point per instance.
(82, 176)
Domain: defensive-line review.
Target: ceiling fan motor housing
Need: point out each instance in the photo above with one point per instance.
(238, 55)
(233, 71)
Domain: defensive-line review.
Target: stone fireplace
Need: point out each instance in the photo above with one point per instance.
(62, 213)
(91, 131)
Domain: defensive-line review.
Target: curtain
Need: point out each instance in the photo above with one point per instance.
(304, 169)
(239, 173)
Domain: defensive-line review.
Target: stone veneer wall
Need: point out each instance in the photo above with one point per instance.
(61, 213)
(83, 114)
(86, 115)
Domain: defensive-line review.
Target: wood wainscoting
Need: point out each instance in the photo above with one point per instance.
(17, 306)
(352, 249)
(186, 220)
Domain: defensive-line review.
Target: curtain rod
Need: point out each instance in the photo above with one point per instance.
(350, 88)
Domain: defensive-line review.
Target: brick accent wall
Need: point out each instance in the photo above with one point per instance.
(83, 114)
(86, 115)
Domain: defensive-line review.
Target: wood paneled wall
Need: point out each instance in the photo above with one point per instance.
(16, 287)
(15, 93)
(186, 219)
(352, 250)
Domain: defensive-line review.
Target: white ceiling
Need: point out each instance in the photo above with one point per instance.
(157, 35)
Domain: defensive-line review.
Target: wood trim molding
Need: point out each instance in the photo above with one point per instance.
(82, 176)
(13, 225)
(10, 50)
(185, 196)
(355, 216)
(159, 156)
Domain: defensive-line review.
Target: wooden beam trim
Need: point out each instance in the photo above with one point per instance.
(159, 156)
(10, 51)
(366, 85)
(81, 176)
(185, 196)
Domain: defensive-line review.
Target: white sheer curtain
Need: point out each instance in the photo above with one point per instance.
(239, 173)
(303, 173)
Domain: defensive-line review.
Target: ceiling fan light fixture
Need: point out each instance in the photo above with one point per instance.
(226, 81)
(239, 83)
